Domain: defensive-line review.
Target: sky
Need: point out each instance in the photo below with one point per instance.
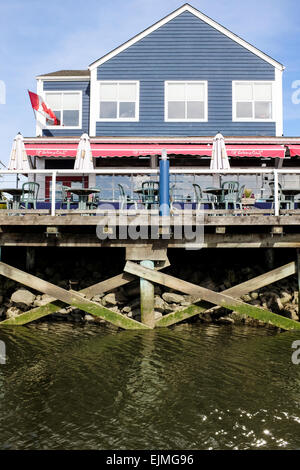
(38, 37)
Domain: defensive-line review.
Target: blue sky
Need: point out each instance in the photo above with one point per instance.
(38, 37)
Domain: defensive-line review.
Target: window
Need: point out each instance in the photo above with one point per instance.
(66, 107)
(119, 101)
(252, 101)
(186, 101)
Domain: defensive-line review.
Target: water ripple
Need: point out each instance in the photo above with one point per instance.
(188, 387)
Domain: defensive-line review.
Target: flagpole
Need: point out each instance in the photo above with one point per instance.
(34, 113)
(31, 105)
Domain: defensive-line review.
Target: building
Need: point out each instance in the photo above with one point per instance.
(179, 82)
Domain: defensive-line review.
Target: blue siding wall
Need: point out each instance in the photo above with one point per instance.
(71, 86)
(186, 48)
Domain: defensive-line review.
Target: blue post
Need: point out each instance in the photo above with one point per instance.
(164, 184)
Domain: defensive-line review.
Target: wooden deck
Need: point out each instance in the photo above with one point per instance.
(232, 229)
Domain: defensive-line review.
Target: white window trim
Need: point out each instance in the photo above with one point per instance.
(274, 100)
(118, 119)
(46, 92)
(202, 82)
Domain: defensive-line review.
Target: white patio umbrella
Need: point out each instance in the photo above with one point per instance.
(84, 157)
(18, 157)
(219, 159)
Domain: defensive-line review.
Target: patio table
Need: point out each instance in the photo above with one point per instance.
(83, 195)
(16, 193)
(216, 192)
(290, 193)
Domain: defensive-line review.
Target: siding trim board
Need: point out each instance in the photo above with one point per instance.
(199, 15)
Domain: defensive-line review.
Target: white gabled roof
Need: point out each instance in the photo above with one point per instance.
(202, 17)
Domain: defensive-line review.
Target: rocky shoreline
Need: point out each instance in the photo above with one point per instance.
(280, 298)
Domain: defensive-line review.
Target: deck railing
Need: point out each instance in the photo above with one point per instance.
(275, 174)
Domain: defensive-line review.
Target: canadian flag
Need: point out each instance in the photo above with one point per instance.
(40, 106)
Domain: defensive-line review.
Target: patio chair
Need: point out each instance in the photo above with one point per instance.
(125, 199)
(175, 197)
(200, 200)
(94, 202)
(65, 197)
(241, 192)
(150, 193)
(231, 196)
(283, 202)
(29, 194)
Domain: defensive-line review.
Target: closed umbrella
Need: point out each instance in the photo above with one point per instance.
(18, 157)
(84, 157)
(219, 160)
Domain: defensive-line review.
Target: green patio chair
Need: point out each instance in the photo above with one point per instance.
(199, 197)
(231, 196)
(150, 191)
(283, 202)
(240, 196)
(65, 197)
(29, 194)
(175, 197)
(125, 199)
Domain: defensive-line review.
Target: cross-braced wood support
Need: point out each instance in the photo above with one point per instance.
(220, 299)
(228, 299)
(55, 305)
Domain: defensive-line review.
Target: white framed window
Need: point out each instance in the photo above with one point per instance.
(253, 101)
(119, 101)
(67, 107)
(186, 101)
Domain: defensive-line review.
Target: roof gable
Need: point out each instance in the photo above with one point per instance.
(199, 15)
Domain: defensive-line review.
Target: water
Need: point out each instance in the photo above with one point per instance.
(197, 386)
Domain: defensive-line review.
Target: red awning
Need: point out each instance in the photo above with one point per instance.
(51, 150)
(141, 150)
(116, 150)
(138, 150)
(294, 150)
(239, 150)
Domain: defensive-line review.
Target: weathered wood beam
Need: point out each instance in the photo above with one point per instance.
(69, 297)
(236, 291)
(76, 219)
(89, 292)
(212, 297)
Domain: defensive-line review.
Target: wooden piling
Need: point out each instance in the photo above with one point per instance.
(269, 258)
(30, 258)
(298, 277)
(147, 297)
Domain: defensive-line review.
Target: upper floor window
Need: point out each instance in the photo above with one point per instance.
(252, 101)
(66, 107)
(185, 101)
(119, 101)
